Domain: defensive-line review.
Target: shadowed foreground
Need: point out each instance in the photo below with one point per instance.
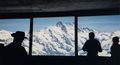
(61, 60)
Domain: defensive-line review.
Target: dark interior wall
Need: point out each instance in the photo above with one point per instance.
(10, 6)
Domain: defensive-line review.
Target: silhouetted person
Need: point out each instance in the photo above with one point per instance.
(1, 53)
(115, 51)
(92, 46)
(15, 54)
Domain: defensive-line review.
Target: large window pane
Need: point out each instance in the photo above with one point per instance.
(8, 26)
(104, 27)
(53, 36)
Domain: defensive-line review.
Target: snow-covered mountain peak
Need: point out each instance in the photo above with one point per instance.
(59, 24)
(56, 40)
(5, 31)
(5, 35)
(116, 33)
(85, 29)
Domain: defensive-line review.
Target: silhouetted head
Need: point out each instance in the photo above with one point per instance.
(115, 40)
(91, 35)
(19, 36)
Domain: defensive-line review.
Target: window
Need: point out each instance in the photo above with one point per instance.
(53, 36)
(62, 36)
(9, 26)
(104, 27)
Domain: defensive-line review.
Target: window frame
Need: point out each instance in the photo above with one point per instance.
(53, 17)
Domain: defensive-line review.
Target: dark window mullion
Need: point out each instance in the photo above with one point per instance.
(30, 36)
(76, 36)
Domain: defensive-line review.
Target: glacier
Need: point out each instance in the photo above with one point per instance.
(59, 40)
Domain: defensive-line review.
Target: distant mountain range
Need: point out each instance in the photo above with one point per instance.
(59, 40)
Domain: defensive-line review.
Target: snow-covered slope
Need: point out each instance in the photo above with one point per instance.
(5, 37)
(55, 40)
(59, 40)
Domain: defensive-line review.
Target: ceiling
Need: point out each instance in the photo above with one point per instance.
(11, 6)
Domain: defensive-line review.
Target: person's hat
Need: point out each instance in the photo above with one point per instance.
(20, 34)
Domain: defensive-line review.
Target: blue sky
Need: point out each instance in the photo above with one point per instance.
(14, 24)
(101, 23)
(39, 23)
